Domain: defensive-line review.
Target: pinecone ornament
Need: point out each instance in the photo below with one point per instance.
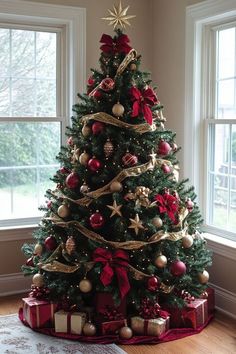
(108, 148)
(70, 245)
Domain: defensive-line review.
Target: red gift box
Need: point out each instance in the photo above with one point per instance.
(209, 295)
(111, 327)
(38, 313)
(104, 300)
(193, 315)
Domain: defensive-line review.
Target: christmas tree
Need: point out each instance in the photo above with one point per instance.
(119, 221)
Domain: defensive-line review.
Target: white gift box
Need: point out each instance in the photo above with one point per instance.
(69, 322)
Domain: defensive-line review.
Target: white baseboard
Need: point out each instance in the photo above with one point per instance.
(14, 283)
(225, 301)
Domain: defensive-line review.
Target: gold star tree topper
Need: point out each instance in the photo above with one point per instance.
(118, 16)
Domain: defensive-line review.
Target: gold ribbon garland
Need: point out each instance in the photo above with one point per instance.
(108, 119)
(128, 172)
(59, 267)
(123, 65)
(126, 245)
(127, 60)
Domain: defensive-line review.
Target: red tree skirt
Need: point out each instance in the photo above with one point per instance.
(172, 334)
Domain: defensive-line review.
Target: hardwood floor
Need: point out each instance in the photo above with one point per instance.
(219, 337)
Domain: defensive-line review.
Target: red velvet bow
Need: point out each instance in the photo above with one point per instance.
(168, 204)
(116, 45)
(142, 101)
(118, 262)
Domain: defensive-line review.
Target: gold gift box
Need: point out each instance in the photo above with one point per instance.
(151, 327)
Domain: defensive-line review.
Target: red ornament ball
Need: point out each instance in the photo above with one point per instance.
(30, 262)
(91, 81)
(96, 220)
(107, 84)
(94, 165)
(70, 141)
(49, 204)
(152, 283)
(164, 148)
(97, 94)
(72, 180)
(165, 168)
(50, 243)
(97, 128)
(64, 170)
(129, 159)
(178, 268)
(189, 204)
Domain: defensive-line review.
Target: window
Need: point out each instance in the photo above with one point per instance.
(221, 128)
(211, 81)
(42, 61)
(29, 138)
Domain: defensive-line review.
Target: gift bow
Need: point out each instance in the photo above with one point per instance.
(118, 262)
(142, 101)
(116, 45)
(150, 309)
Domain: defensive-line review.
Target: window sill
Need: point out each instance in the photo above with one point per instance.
(221, 246)
(17, 233)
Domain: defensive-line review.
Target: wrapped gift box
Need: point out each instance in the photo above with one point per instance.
(39, 313)
(104, 300)
(209, 295)
(194, 315)
(150, 327)
(111, 327)
(69, 322)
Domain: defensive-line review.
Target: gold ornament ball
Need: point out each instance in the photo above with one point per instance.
(63, 211)
(187, 241)
(125, 332)
(157, 222)
(38, 280)
(116, 187)
(203, 277)
(89, 329)
(38, 249)
(118, 110)
(83, 159)
(85, 286)
(86, 130)
(161, 261)
(133, 66)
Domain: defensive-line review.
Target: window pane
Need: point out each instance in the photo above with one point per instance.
(4, 52)
(222, 176)
(226, 74)
(22, 53)
(226, 53)
(27, 73)
(27, 161)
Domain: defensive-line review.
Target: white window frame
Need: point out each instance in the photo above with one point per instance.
(198, 19)
(71, 23)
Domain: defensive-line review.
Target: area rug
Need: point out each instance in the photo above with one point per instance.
(18, 339)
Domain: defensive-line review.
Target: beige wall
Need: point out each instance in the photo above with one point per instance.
(169, 61)
(140, 31)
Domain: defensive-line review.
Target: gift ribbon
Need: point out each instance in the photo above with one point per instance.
(118, 262)
(145, 328)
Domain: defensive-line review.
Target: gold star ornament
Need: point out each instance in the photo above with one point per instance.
(136, 224)
(118, 16)
(115, 209)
